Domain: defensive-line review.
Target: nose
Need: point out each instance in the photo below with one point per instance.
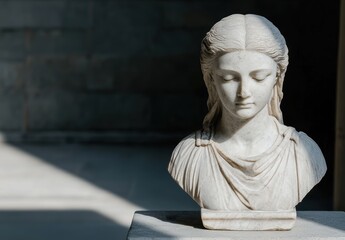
(244, 88)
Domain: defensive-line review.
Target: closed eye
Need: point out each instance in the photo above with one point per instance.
(261, 75)
(229, 77)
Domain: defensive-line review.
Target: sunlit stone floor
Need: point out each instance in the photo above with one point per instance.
(71, 191)
(84, 192)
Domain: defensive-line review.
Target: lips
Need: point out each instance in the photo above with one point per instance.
(244, 105)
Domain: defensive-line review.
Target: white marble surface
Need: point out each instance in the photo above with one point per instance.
(310, 225)
(245, 158)
(248, 220)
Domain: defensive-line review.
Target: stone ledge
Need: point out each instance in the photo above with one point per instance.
(310, 225)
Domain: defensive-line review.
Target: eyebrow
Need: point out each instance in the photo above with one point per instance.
(227, 71)
(266, 71)
(230, 71)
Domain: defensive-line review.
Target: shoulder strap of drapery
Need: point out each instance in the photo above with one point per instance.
(203, 138)
(287, 131)
(294, 137)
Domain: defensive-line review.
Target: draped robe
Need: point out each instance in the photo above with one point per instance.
(277, 179)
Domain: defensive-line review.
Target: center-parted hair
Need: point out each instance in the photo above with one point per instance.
(242, 32)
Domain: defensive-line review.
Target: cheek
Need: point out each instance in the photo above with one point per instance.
(265, 92)
(228, 91)
(227, 94)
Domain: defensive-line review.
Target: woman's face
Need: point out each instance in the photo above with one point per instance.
(244, 81)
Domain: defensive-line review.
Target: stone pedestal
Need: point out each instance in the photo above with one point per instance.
(310, 225)
(248, 220)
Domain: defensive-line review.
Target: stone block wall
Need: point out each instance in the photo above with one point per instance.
(91, 65)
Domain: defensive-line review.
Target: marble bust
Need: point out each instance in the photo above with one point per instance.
(245, 168)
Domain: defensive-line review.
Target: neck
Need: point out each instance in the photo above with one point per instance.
(246, 131)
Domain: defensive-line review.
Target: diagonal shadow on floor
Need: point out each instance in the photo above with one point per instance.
(111, 180)
(136, 173)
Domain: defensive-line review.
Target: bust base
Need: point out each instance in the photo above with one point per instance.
(248, 220)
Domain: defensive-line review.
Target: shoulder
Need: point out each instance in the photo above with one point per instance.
(184, 165)
(311, 164)
(184, 147)
(309, 151)
(190, 145)
(308, 157)
(306, 148)
(183, 155)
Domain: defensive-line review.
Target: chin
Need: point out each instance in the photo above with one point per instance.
(241, 117)
(245, 114)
